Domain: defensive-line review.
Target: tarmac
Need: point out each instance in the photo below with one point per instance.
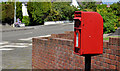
(8, 28)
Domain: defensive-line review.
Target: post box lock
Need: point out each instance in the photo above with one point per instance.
(88, 33)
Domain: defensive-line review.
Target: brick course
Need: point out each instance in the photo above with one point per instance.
(56, 52)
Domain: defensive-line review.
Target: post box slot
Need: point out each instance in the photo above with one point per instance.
(77, 14)
(77, 24)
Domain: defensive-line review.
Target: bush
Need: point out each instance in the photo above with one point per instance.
(64, 10)
(26, 20)
(18, 9)
(53, 16)
(47, 11)
(90, 6)
(7, 13)
(38, 11)
(109, 18)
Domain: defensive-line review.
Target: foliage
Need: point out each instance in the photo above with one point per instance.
(91, 6)
(7, 13)
(64, 9)
(38, 11)
(18, 9)
(53, 16)
(26, 20)
(110, 19)
(0, 13)
(47, 11)
(116, 10)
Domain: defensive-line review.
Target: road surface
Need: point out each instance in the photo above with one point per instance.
(16, 46)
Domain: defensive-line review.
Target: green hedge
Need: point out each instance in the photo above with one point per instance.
(38, 11)
(47, 11)
(110, 19)
(26, 20)
(7, 13)
(18, 9)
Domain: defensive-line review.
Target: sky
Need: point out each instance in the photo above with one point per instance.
(110, 1)
(104, 1)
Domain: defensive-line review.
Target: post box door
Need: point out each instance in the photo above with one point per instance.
(92, 33)
(88, 33)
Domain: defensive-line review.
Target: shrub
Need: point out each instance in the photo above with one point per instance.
(38, 11)
(47, 11)
(109, 18)
(64, 10)
(7, 13)
(26, 20)
(18, 9)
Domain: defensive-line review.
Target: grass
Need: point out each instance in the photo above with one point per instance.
(107, 38)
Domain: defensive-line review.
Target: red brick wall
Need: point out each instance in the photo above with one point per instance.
(56, 52)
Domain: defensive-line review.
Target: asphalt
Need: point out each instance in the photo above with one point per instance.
(21, 57)
(10, 28)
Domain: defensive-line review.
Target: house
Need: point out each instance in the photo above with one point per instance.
(74, 3)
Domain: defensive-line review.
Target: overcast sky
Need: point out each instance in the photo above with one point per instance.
(104, 1)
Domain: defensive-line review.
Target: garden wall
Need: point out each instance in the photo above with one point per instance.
(56, 52)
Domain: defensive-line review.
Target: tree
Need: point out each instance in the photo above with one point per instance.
(65, 11)
(88, 6)
(18, 9)
(7, 13)
(116, 11)
(110, 19)
(38, 11)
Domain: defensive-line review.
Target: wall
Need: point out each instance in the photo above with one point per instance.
(56, 52)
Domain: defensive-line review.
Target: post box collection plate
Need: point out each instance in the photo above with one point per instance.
(88, 33)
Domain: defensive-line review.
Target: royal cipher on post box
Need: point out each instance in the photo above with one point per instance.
(88, 33)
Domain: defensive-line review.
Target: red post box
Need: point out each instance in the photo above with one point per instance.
(88, 33)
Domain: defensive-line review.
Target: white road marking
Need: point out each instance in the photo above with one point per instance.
(5, 42)
(10, 46)
(21, 44)
(13, 46)
(30, 44)
(26, 39)
(30, 38)
(6, 49)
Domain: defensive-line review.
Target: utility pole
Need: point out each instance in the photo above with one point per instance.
(14, 14)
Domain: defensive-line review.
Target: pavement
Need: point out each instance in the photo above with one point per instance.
(10, 28)
(116, 33)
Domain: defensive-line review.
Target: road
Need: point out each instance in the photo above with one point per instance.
(16, 46)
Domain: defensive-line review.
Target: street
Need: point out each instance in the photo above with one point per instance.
(16, 46)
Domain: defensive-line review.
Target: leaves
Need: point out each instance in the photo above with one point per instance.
(7, 13)
(38, 11)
